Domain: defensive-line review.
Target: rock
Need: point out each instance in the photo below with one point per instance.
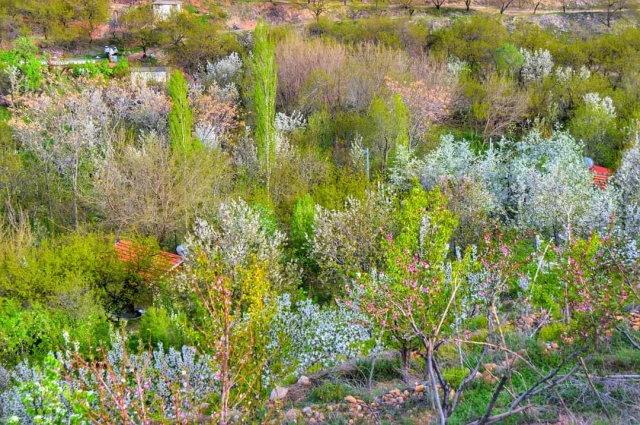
(419, 388)
(488, 378)
(406, 393)
(304, 380)
(291, 415)
(359, 401)
(308, 411)
(490, 367)
(400, 400)
(395, 392)
(350, 399)
(278, 393)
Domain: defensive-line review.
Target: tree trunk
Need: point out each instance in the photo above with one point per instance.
(432, 380)
(405, 355)
(75, 189)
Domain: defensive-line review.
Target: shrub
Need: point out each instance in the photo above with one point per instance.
(330, 392)
(159, 328)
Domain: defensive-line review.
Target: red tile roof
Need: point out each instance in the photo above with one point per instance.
(600, 175)
(148, 263)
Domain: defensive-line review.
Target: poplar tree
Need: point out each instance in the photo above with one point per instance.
(180, 115)
(264, 93)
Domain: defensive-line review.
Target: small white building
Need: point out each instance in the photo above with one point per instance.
(145, 75)
(163, 8)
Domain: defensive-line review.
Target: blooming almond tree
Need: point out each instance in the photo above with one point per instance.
(65, 131)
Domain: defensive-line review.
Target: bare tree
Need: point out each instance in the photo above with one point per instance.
(506, 105)
(536, 5)
(612, 8)
(503, 5)
(318, 7)
(408, 5)
(467, 3)
(438, 3)
(154, 190)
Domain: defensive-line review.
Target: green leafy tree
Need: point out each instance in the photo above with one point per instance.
(413, 298)
(594, 124)
(92, 13)
(21, 68)
(302, 222)
(508, 59)
(401, 121)
(140, 29)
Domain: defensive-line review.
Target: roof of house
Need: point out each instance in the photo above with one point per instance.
(167, 2)
(148, 69)
(149, 263)
(600, 175)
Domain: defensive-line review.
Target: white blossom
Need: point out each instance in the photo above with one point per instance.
(537, 65)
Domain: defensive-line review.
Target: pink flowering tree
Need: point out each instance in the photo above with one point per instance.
(415, 296)
(587, 289)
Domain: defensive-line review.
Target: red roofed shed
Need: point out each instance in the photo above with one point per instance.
(600, 175)
(150, 264)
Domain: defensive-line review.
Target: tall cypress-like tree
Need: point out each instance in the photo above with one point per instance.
(401, 122)
(264, 94)
(180, 115)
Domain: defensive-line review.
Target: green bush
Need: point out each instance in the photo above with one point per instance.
(157, 326)
(551, 332)
(33, 332)
(330, 392)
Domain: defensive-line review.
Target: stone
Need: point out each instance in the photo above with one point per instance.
(488, 378)
(491, 367)
(419, 388)
(308, 411)
(291, 415)
(278, 393)
(350, 399)
(304, 380)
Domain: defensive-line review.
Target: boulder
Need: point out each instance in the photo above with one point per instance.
(350, 399)
(304, 380)
(278, 393)
(291, 415)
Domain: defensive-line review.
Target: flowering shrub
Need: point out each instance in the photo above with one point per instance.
(221, 73)
(113, 387)
(536, 66)
(539, 183)
(237, 298)
(345, 242)
(317, 336)
(288, 123)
